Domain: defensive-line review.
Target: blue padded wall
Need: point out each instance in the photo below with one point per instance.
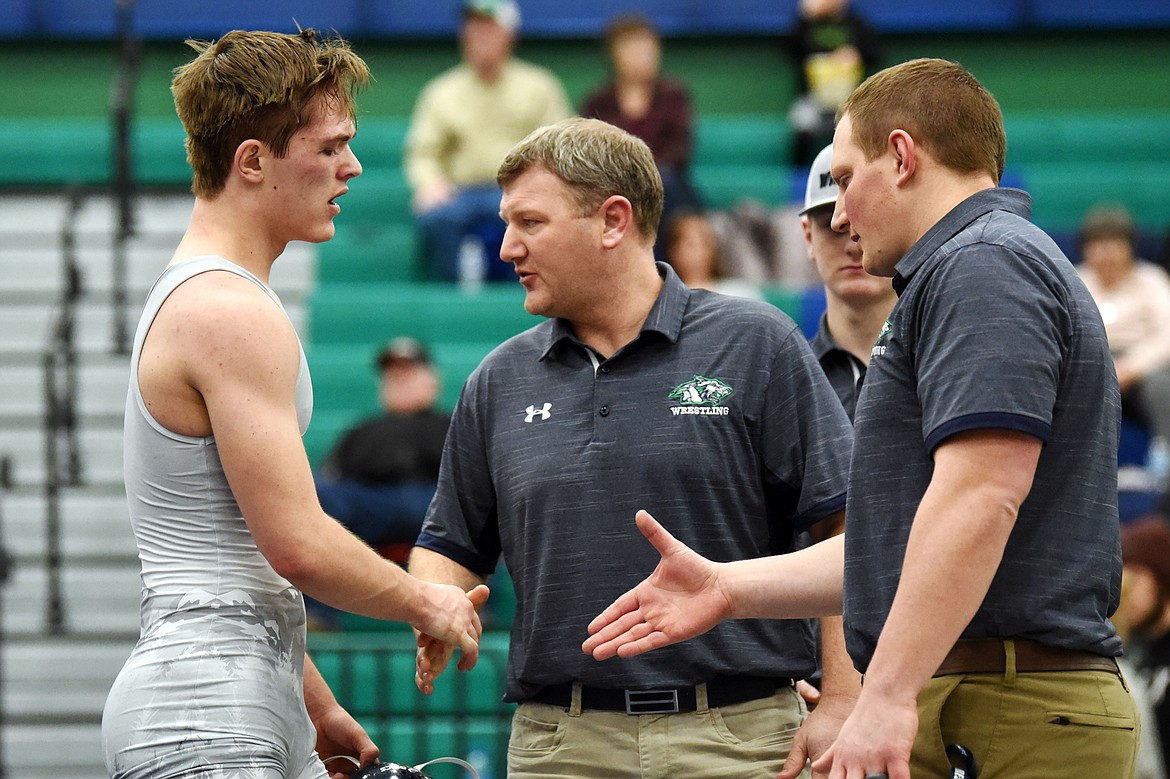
(1081, 14)
(168, 19)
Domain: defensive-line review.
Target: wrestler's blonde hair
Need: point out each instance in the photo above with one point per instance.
(259, 85)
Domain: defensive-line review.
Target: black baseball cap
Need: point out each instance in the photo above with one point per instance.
(403, 349)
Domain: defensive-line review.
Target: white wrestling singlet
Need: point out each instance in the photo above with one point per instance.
(214, 687)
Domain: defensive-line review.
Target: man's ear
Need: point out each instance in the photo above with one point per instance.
(905, 153)
(247, 163)
(806, 227)
(618, 214)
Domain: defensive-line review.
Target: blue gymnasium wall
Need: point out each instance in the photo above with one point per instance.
(167, 19)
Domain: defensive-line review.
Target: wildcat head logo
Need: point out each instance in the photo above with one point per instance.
(701, 391)
(879, 348)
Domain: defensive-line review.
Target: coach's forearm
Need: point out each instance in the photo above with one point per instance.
(434, 567)
(801, 584)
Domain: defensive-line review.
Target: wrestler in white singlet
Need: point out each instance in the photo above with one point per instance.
(214, 687)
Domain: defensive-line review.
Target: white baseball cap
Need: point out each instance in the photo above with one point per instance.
(503, 12)
(820, 190)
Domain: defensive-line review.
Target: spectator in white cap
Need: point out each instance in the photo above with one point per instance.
(856, 303)
(465, 121)
(856, 307)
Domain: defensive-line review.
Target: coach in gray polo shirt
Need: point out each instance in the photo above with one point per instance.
(981, 558)
(636, 393)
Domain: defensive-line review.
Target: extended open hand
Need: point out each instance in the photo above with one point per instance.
(681, 599)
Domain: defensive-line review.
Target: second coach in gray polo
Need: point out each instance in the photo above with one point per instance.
(637, 392)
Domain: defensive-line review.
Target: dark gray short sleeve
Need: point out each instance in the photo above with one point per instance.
(990, 354)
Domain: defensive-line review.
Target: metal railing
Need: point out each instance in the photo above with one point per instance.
(372, 675)
(124, 185)
(63, 461)
(5, 572)
(63, 464)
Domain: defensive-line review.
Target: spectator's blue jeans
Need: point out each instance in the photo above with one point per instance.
(377, 514)
(473, 210)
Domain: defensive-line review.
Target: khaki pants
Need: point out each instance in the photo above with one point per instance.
(1050, 725)
(744, 741)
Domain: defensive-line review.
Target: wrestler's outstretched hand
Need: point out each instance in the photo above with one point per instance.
(681, 599)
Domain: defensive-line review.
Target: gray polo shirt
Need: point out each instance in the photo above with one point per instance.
(993, 329)
(716, 419)
(845, 372)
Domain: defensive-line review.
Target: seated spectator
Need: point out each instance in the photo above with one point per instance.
(692, 249)
(644, 103)
(380, 477)
(1133, 296)
(464, 122)
(1144, 619)
(833, 50)
(764, 245)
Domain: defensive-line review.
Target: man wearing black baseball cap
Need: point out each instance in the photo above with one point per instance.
(381, 475)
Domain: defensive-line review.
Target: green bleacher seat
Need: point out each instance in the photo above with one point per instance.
(367, 669)
(754, 139)
(345, 384)
(723, 186)
(369, 252)
(372, 675)
(54, 152)
(1063, 192)
(1097, 138)
(377, 197)
(482, 740)
(435, 312)
(456, 361)
(379, 142)
(60, 152)
(160, 158)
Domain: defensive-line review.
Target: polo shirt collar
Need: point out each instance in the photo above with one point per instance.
(665, 317)
(823, 342)
(1014, 201)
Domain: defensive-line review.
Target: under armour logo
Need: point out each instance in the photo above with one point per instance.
(533, 411)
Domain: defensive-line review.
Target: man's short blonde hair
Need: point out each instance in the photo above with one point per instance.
(941, 105)
(258, 85)
(596, 160)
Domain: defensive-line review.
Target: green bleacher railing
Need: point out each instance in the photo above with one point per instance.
(372, 676)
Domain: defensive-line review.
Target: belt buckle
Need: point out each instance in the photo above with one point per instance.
(651, 701)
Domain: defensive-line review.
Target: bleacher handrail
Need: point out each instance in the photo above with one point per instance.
(63, 465)
(5, 572)
(124, 185)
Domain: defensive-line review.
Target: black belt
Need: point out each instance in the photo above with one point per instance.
(721, 691)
